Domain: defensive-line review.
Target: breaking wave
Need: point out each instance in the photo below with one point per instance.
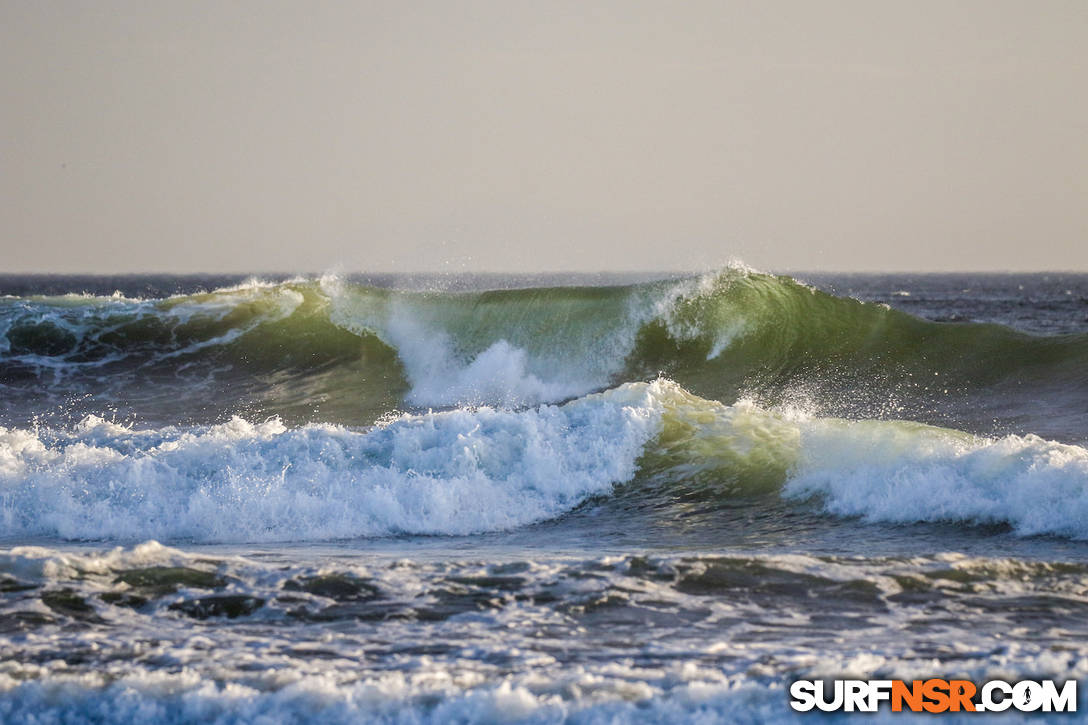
(483, 469)
(334, 350)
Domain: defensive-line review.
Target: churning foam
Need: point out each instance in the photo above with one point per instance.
(903, 472)
(455, 472)
(484, 469)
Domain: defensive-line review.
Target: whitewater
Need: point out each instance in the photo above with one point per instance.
(533, 499)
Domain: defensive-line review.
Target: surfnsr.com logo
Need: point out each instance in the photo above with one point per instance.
(933, 695)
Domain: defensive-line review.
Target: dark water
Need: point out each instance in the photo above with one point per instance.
(587, 499)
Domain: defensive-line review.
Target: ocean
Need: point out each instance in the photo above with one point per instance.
(543, 499)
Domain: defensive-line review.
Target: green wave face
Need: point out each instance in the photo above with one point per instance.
(709, 456)
(707, 451)
(337, 351)
(261, 349)
(773, 335)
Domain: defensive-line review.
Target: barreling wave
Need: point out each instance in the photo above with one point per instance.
(476, 470)
(333, 350)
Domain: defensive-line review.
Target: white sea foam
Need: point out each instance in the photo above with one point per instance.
(902, 472)
(724, 652)
(159, 698)
(456, 472)
(483, 469)
(500, 374)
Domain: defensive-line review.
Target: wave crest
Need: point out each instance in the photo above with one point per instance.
(484, 469)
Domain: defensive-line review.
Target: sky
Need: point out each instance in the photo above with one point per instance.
(256, 135)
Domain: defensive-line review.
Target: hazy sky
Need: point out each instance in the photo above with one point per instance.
(252, 135)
